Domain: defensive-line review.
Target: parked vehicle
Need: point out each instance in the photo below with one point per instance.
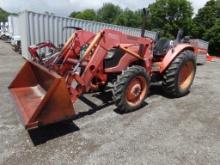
(46, 87)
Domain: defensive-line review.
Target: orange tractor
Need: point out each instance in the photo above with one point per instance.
(46, 87)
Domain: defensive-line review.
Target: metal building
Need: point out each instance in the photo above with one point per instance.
(36, 27)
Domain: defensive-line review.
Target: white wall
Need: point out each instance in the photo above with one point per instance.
(36, 27)
(13, 25)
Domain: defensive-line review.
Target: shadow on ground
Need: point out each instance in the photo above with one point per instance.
(46, 133)
(158, 90)
(43, 134)
(105, 97)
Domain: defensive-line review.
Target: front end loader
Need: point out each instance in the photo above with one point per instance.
(45, 89)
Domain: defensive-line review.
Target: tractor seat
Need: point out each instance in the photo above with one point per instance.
(161, 47)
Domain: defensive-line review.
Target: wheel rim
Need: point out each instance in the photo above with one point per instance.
(186, 75)
(136, 91)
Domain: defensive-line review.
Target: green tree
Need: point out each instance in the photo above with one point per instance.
(74, 13)
(3, 15)
(129, 18)
(170, 15)
(206, 25)
(88, 14)
(108, 13)
(213, 36)
(206, 18)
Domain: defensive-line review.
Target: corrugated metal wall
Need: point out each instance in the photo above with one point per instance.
(13, 25)
(35, 28)
(3, 27)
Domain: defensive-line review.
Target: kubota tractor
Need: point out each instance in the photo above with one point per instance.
(45, 89)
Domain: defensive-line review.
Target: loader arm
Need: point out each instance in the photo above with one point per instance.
(97, 51)
(46, 96)
(71, 49)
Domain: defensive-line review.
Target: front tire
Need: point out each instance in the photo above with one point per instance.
(179, 76)
(131, 89)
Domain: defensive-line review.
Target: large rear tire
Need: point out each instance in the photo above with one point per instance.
(131, 89)
(179, 76)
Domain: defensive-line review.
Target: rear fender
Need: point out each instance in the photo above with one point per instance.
(172, 54)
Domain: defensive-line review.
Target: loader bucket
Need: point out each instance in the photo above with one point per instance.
(41, 95)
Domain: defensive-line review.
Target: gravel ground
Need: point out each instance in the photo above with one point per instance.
(165, 131)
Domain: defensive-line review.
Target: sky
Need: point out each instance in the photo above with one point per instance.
(65, 7)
